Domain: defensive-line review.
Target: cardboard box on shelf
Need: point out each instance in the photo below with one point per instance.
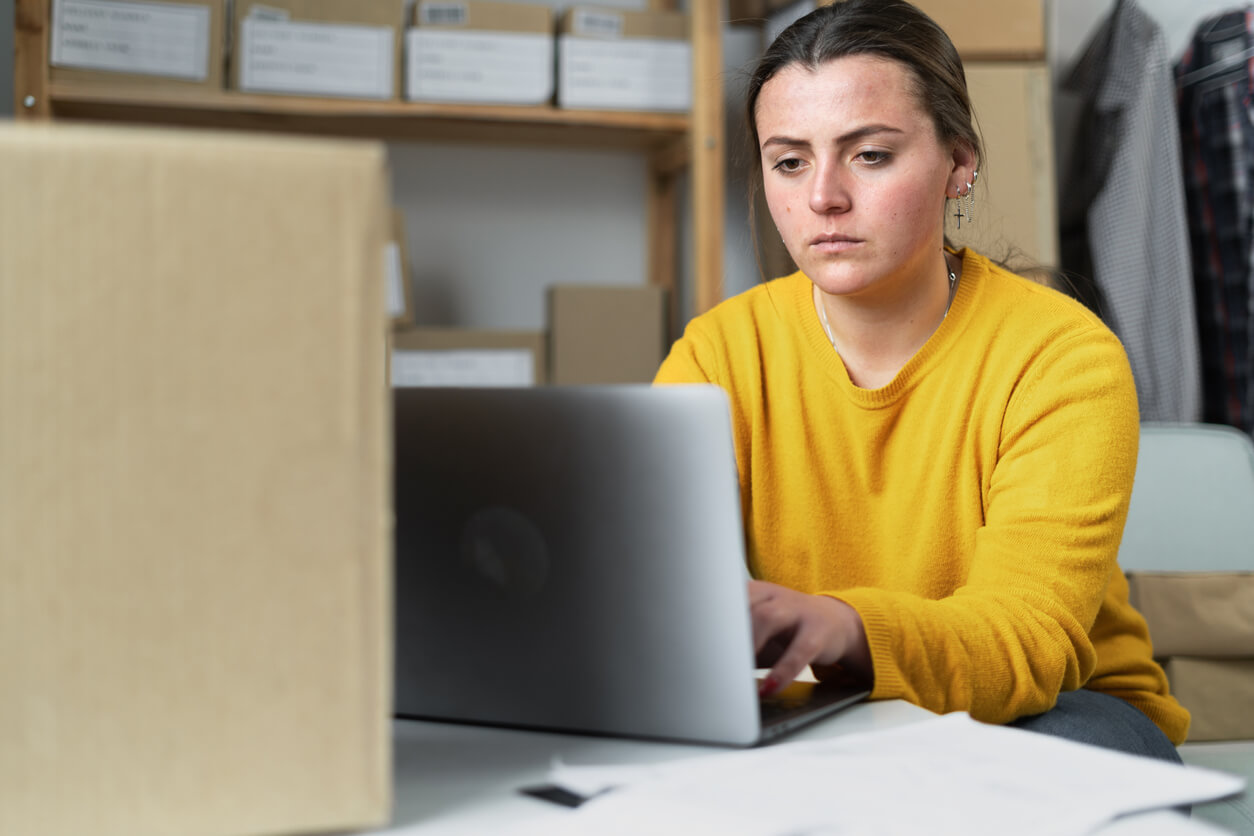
(1218, 693)
(991, 30)
(1015, 203)
(605, 334)
(335, 48)
(156, 43)
(1196, 613)
(611, 59)
(479, 51)
(468, 357)
(195, 542)
(981, 30)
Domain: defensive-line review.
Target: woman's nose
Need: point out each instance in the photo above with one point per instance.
(829, 190)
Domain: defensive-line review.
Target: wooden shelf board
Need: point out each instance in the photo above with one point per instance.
(359, 118)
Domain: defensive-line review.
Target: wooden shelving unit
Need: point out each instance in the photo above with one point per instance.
(673, 142)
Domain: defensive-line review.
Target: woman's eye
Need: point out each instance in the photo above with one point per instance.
(788, 165)
(874, 157)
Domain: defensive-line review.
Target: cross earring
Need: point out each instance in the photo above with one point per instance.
(958, 205)
(965, 200)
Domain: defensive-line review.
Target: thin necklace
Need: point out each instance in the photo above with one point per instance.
(827, 328)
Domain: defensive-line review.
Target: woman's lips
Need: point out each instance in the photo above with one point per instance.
(833, 244)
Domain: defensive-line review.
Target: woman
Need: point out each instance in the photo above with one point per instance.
(936, 456)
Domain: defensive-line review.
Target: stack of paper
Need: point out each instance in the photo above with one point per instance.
(950, 775)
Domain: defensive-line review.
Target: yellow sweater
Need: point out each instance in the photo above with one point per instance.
(970, 511)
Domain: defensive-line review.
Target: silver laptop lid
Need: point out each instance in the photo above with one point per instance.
(572, 558)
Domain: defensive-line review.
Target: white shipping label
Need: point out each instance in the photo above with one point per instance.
(443, 14)
(595, 24)
(483, 67)
(632, 73)
(394, 279)
(158, 39)
(318, 59)
(464, 367)
(260, 12)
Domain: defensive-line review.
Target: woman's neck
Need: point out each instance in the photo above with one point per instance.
(876, 338)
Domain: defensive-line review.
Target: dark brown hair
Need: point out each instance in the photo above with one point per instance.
(891, 29)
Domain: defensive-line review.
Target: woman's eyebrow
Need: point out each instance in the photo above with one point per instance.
(845, 138)
(786, 141)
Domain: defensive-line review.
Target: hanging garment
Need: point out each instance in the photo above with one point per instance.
(1214, 87)
(1123, 218)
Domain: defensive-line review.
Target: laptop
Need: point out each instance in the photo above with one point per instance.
(572, 559)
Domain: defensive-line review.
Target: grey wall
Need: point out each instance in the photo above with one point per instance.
(6, 57)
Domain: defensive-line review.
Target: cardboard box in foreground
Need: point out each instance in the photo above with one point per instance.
(195, 548)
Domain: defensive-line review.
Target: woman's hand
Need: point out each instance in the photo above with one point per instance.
(792, 629)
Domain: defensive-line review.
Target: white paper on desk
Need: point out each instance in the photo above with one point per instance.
(950, 775)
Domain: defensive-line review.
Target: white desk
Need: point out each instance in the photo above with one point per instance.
(461, 780)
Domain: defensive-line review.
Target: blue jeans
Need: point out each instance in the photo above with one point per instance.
(1102, 720)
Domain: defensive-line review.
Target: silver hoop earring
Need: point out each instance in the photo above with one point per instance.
(968, 197)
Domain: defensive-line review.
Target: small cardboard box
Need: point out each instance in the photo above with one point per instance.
(468, 357)
(480, 51)
(336, 48)
(195, 544)
(1197, 613)
(606, 334)
(614, 59)
(1219, 693)
(156, 43)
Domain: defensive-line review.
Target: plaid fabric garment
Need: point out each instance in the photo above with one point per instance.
(1214, 86)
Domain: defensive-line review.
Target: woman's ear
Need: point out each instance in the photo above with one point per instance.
(965, 165)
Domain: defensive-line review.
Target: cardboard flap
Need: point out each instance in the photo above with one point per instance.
(1218, 693)
(1197, 614)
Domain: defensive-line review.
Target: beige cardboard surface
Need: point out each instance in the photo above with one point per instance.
(217, 60)
(1015, 214)
(1197, 614)
(372, 13)
(634, 24)
(195, 539)
(991, 29)
(1219, 693)
(605, 334)
(458, 339)
(490, 16)
(981, 30)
